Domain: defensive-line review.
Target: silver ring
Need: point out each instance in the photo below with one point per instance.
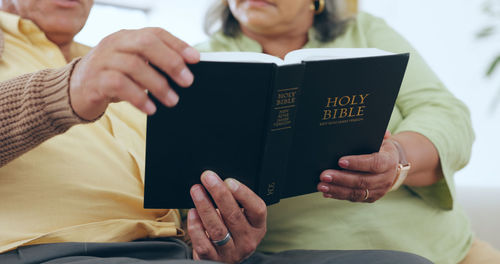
(367, 193)
(223, 241)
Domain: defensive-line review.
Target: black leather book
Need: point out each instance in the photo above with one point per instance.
(271, 125)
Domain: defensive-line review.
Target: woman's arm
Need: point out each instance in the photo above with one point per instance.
(423, 157)
(432, 126)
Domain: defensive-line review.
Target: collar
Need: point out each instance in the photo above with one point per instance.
(244, 43)
(28, 31)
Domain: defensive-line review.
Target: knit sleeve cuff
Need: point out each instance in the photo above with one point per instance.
(54, 89)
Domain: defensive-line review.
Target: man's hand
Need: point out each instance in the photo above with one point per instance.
(209, 227)
(119, 69)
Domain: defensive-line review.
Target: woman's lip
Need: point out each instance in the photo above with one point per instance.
(259, 3)
(66, 3)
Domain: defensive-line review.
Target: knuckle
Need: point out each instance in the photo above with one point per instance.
(248, 248)
(361, 183)
(145, 40)
(193, 227)
(379, 163)
(156, 30)
(121, 32)
(371, 200)
(234, 218)
(218, 233)
(134, 63)
(180, 45)
(202, 251)
(387, 184)
(95, 98)
(114, 37)
(219, 194)
(261, 211)
(356, 195)
(175, 65)
(114, 82)
(139, 99)
(204, 210)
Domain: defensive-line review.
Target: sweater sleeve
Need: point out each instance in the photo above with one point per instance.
(33, 108)
(428, 108)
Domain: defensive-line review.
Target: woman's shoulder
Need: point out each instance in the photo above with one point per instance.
(217, 42)
(366, 22)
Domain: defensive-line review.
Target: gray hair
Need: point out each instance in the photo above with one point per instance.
(329, 24)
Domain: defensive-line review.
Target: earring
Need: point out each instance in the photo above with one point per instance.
(318, 6)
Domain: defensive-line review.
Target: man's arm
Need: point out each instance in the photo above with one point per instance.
(33, 108)
(37, 106)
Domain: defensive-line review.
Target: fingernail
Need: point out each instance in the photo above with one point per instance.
(192, 214)
(187, 77)
(172, 97)
(149, 108)
(197, 194)
(323, 188)
(191, 54)
(232, 184)
(343, 163)
(210, 178)
(328, 178)
(326, 195)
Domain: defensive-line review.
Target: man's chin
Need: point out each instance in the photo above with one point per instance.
(62, 33)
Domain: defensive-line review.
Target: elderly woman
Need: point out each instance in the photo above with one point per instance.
(85, 185)
(430, 129)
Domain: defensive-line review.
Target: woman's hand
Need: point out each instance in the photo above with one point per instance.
(118, 69)
(228, 234)
(365, 178)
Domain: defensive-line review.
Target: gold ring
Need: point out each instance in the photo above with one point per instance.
(367, 194)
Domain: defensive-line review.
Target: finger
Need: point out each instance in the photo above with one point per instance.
(211, 220)
(118, 87)
(145, 77)
(190, 54)
(379, 162)
(387, 134)
(255, 208)
(202, 246)
(358, 180)
(233, 217)
(195, 255)
(154, 50)
(349, 194)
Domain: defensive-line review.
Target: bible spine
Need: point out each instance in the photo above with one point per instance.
(280, 127)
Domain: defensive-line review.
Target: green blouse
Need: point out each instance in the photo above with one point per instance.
(425, 221)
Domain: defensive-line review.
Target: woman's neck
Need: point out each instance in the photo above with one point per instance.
(278, 45)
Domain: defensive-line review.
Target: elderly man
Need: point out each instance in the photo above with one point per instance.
(64, 198)
(86, 185)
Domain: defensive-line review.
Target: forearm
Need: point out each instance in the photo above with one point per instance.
(33, 108)
(423, 157)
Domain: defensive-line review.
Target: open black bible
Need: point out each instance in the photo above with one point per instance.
(273, 125)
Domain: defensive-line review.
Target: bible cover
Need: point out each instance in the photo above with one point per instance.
(273, 128)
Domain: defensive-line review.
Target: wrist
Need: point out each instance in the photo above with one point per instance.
(403, 167)
(85, 109)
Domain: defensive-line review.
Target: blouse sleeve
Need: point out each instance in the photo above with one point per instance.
(428, 108)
